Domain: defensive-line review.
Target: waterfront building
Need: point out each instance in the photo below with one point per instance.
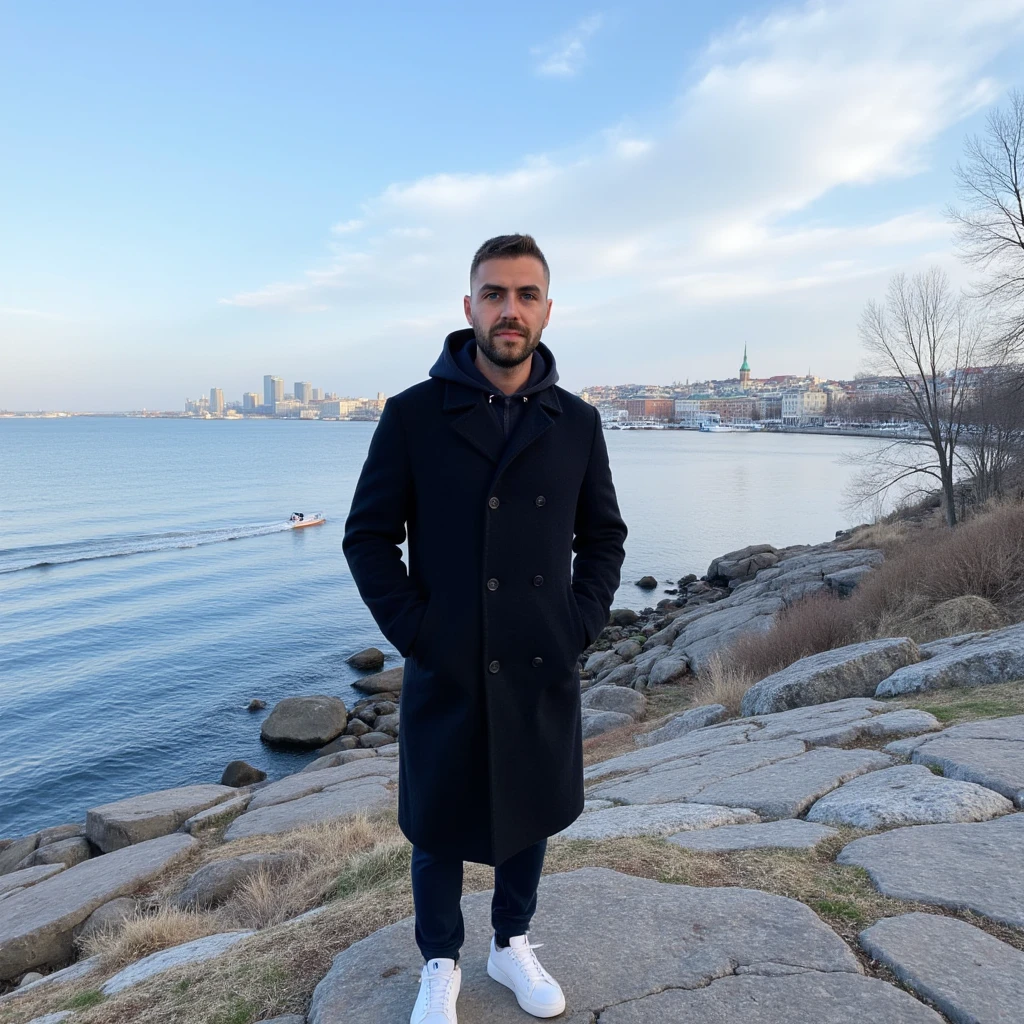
(658, 409)
(250, 401)
(273, 391)
(303, 391)
(804, 408)
(216, 402)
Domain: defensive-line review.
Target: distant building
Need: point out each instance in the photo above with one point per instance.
(303, 391)
(250, 401)
(273, 391)
(657, 409)
(804, 408)
(745, 370)
(216, 402)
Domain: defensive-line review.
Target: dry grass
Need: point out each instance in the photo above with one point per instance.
(983, 558)
(724, 682)
(888, 537)
(952, 707)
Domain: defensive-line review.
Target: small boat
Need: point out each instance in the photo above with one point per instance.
(299, 519)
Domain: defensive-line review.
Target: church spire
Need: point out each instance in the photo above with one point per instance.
(745, 368)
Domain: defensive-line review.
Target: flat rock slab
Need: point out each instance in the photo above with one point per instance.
(356, 797)
(798, 998)
(291, 787)
(37, 923)
(73, 973)
(52, 1018)
(977, 867)
(989, 753)
(28, 876)
(908, 722)
(977, 659)
(785, 834)
(908, 794)
(969, 975)
(116, 825)
(193, 952)
(596, 723)
(787, 788)
(217, 814)
(679, 937)
(653, 820)
(852, 671)
(688, 721)
(814, 719)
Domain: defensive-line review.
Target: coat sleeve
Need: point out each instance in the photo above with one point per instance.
(376, 526)
(598, 541)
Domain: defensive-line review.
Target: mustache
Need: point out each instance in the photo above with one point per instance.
(505, 326)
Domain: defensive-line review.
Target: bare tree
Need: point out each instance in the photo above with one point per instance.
(994, 438)
(924, 337)
(990, 221)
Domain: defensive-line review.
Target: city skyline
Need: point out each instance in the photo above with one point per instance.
(697, 175)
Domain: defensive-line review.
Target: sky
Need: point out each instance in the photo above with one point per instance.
(195, 194)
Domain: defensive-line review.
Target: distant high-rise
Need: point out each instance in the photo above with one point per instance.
(250, 401)
(216, 402)
(273, 391)
(318, 394)
(303, 391)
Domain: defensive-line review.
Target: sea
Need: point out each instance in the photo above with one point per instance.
(150, 586)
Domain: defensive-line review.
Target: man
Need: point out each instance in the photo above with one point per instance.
(498, 476)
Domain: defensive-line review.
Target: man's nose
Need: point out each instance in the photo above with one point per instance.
(510, 308)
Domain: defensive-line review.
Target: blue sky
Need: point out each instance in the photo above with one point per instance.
(195, 194)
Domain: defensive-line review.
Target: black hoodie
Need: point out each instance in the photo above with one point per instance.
(456, 363)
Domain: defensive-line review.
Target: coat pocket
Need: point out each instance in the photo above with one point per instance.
(579, 628)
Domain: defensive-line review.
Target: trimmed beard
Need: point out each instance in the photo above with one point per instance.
(487, 345)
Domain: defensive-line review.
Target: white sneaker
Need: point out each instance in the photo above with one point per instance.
(517, 967)
(440, 981)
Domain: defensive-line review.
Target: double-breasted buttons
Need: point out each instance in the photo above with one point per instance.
(495, 666)
(537, 662)
(492, 584)
(540, 500)
(493, 502)
(538, 581)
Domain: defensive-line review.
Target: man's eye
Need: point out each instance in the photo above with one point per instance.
(529, 295)
(491, 295)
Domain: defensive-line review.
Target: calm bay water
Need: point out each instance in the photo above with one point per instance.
(149, 588)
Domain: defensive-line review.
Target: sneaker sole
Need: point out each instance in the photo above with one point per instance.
(525, 1004)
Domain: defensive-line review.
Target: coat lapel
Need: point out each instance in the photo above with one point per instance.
(475, 421)
(537, 419)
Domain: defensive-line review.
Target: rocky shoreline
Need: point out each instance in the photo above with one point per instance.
(790, 766)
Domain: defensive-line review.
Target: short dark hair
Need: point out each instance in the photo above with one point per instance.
(505, 247)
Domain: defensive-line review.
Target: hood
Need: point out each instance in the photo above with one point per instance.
(455, 363)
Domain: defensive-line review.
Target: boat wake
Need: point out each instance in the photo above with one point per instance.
(120, 546)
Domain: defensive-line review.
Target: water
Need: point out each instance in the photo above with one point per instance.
(149, 588)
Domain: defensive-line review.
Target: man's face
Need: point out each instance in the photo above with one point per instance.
(508, 308)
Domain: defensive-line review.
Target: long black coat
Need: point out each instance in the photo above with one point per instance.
(493, 612)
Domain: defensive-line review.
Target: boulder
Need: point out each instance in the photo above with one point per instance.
(653, 820)
(139, 818)
(627, 650)
(27, 876)
(214, 883)
(785, 834)
(256, 704)
(670, 669)
(305, 721)
(17, 851)
(615, 698)
(387, 723)
(595, 723)
(108, 918)
(371, 660)
(977, 866)
(744, 563)
(622, 675)
(389, 681)
(37, 923)
(375, 739)
(978, 659)
(65, 851)
(647, 583)
(695, 718)
(844, 582)
(216, 815)
(907, 794)
(852, 671)
(58, 833)
(692, 942)
(241, 773)
(337, 745)
(958, 615)
(602, 661)
(966, 973)
(196, 951)
(357, 727)
(291, 787)
(623, 617)
(338, 759)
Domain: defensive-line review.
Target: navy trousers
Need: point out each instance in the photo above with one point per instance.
(437, 892)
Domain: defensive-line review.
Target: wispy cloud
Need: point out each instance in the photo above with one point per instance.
(655, 234)
(565, 56)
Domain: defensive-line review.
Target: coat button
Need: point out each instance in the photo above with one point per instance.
(494, 666)
(493, 502)
(537, 662)
(540, 500)
(538, 581)
(492, 584)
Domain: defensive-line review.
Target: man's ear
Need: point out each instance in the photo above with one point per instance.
(468, 308)
(547, 319)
